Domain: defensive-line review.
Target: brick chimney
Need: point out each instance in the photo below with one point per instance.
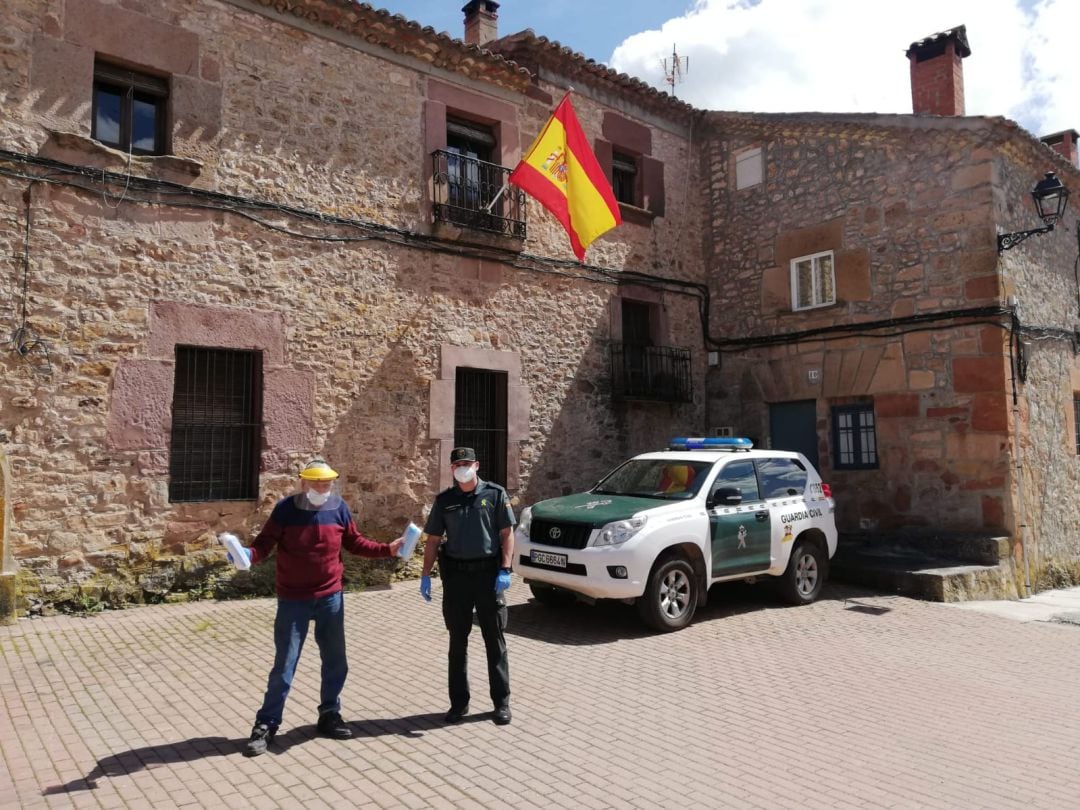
(481, 22)
(1064, 143)
(937, 74)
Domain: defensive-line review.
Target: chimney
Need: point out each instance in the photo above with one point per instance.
(937, 75)
(1064, 143)
(481, 22)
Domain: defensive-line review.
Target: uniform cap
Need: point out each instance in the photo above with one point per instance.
(318, 470)
(462, 454)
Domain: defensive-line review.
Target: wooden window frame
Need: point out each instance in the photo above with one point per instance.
(857, 433)
(131, 86)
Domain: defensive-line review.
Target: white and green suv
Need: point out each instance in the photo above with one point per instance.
(663, 527)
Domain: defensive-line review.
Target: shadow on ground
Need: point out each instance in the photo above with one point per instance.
(152, 756)
(608, 621)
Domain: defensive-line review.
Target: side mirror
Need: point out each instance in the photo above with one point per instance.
(724, 496)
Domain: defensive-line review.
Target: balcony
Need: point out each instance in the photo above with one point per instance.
(463, 188)
(652, 373)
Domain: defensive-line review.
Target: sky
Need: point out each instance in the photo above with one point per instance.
(812, 55)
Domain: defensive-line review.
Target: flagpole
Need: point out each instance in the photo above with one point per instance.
(495, 199)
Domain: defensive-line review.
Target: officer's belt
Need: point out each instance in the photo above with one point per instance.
(477, 564)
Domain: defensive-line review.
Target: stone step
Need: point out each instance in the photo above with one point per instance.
(921, 576)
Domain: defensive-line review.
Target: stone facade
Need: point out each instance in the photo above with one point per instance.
(293, 217)
(909, 207)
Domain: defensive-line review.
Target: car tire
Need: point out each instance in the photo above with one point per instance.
(550, 596)
(805, 575)
(670, 597)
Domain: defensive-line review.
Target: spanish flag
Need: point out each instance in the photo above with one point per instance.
(561, 171)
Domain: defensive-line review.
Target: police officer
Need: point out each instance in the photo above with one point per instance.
(470, 531)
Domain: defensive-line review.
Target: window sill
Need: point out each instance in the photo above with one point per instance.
(70, 147)
(635, 215)
(473, 236)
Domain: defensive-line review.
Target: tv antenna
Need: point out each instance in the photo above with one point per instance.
(675, 69)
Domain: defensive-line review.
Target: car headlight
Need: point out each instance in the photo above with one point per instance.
(525, 521)
(617, 533)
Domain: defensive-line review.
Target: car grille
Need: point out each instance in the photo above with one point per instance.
(560, 535)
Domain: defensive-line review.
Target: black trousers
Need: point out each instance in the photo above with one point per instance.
(464, 590)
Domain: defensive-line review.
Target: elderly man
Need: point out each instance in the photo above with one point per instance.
(474, 562)
(309, 529)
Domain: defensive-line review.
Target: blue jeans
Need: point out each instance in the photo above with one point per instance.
(290, 630)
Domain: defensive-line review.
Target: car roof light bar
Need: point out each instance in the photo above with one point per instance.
(710, 443)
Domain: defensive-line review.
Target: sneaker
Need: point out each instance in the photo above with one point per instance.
(502, 716)
(261, 736)
(456, 713)
(331, 725)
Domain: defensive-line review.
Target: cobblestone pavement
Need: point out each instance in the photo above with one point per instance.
(861, 700)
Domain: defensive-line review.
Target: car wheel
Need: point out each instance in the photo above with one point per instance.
(805, 576)
(670, 597)
(550, 596)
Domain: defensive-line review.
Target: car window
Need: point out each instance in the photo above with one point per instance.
(739, 474)
(656, 478)
(781, 477)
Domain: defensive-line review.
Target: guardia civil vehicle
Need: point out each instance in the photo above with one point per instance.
(663, 527)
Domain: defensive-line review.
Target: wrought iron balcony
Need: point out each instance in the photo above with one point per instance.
(657, 373)
(464, 189)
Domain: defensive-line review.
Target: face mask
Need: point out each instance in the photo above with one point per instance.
(317, 498)
(464, 475)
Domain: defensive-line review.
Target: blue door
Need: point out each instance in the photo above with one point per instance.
(793, 426)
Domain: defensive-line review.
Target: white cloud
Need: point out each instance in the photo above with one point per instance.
(848, 56)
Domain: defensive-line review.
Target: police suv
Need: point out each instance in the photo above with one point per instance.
(663, 527)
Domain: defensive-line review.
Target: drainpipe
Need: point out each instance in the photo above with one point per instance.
(1018, 451)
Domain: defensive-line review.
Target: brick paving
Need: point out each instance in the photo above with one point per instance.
(861, 701)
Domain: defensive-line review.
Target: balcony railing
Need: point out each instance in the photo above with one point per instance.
(657, 373)
(464, 188)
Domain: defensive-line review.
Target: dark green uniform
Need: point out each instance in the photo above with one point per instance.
(469, 560)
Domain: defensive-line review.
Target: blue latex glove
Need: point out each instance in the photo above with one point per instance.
(425, 588)
(247, 552)
(502, 581)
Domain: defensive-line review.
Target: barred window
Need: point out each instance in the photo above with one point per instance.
(216, 425)
(480, 419)
(854, 437)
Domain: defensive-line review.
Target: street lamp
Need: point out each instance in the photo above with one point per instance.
(1050, 198)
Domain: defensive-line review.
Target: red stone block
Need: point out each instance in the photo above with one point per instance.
(977, 289)
(990, 412)
(896, 405)
(941, 413)
(993, 511)
(971, 374)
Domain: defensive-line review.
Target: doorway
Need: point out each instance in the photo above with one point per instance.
(793, 426)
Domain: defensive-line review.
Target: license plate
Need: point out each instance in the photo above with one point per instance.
(547, 558)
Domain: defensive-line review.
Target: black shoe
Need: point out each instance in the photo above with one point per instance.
(456, 713)
(261, 736)
(502, 716)
(331, 725)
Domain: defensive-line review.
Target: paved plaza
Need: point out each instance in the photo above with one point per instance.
(860, 701)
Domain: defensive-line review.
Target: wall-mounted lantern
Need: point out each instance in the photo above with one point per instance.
(1050, 198)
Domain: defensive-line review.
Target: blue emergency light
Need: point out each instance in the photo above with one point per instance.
(710, 443)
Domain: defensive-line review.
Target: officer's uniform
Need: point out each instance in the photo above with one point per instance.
(469, 560)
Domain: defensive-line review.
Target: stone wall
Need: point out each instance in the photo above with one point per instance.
(906, 205)
(352, 332)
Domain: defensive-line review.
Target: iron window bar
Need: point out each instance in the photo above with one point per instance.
(463, 189)
(655, 373)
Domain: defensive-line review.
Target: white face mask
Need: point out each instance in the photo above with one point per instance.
(317, 498)
(464, 475)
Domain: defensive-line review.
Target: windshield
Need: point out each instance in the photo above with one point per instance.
(656, 478)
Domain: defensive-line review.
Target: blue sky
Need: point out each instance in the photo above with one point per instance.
(812, 55)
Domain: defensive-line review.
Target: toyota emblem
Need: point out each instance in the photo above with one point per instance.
(554, 532)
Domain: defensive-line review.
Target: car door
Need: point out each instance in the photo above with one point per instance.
(783, 488)
(741, 533)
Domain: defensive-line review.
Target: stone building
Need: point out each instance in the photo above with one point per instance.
(873, 319)
(222, 259)
(225, 259)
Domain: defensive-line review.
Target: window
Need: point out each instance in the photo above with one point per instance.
(480, 419)
(781, 477)
(624, 178)
(812, 283)
(748, 168)
(854, 439)
(741, 476)
(216, 425)
(129, 110)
